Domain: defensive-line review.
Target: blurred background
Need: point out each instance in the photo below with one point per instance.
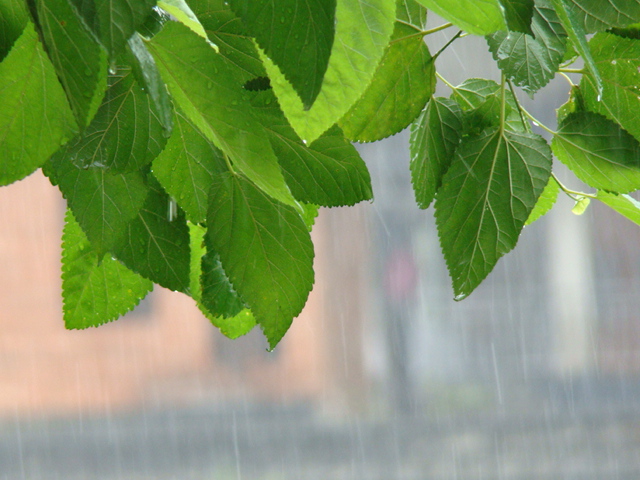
(383, 376)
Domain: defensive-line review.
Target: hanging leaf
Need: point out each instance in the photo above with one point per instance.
(480, 17)
(599, 152)
(546, 201)
(35, 118)
(435, 136)
(486, 197)
(95, 289)
(625, 205)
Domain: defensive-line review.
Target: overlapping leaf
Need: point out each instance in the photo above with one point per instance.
(599, 152)
(297, 35)
(218, 295)
(625, 205)
(530, 61)
(480, 17)
(181, 11)
(79, 60)
(13, 19)
(618, 60)
(546, 201)
(434, 137)
(518, 15)
(203, 85)
(265, 250)
(401, 86)
(486, 196)
(187, 166)
(598, 15)
(35, 118)
(363, 28)
(95, 290)
(328, 172)
(125, 133)
(155, 243)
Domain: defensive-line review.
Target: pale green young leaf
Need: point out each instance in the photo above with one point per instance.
(531, 61)
(13, 19)
(102, 202)
(328, 172)
(297, 35)
(480, 17)
(227, 32)
(546, 201)
(363, 29)
(181, 11)
(125, 133)
(618, 60)
(95, 289)
(204, 87)
(80, 61)
(518, 15)
(186, 168)
(265, 250)
(35, 118)
(599, 152)
(577, 34)
(486, 197)
(401, 86)
(598, 15)
(581, 205)
(155, 243)
(625, 205)
(435, 136)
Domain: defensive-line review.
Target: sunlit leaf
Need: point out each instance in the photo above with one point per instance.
(545, 202)
(480, 17)
(598, 15)
(625, 205)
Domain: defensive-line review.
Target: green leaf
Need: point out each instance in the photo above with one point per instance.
(79, 60)
(297, 35)
(35, 118)
(546, 201)
(518, 14)
(597, 15)
(203, 85)
(125, 133)
(531, 61)
(581, 205)
(13, 19)
(599, 152)
(187, 166)
(218, 295)
(102, 202)
(155, 245)
(435, 136)
(363, 28)
(577, 34)
(114, 21)
(95, 290)
(183, 13)
(618, 60)
(227, 32)
(328, 172)
(485, 199)
(402, 84)
(233, 327)
(625, 205)
(265, 250)
(480, 17)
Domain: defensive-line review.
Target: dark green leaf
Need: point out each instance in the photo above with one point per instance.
(35, 118)
(530, 61)
(486, 197)
(218, 296)
(80, 61)
(402, 84)
(598, 15)
(329, 172)
(95, 290)
(434, 137)
(297, 35)
(480, 17)
(518, 14)
(203, 85)
(125, 134)
(546, 201)
(599, 152)
(13, 19)
(156, 243)
(265, 250)
(618, 60)
(363, 28)
(187, 166)
(623, 204)
(102, 202)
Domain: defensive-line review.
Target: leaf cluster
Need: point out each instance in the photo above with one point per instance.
(195, 140)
